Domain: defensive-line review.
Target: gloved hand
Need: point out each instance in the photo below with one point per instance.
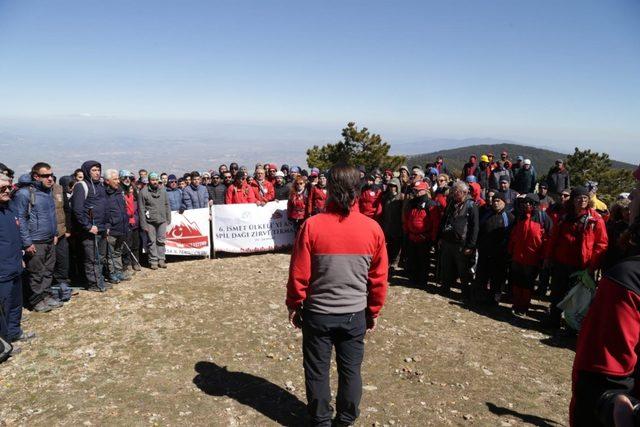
(181, 211)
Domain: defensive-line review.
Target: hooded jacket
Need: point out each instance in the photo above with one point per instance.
(34, 206)
(195, 197)
(529, 238)
(370, 201)
(421, 220)
(392, 212)
(317, 200)
(558, 180)
(493, 235)
(153, 206)
(524, 180)
(297, 205)
(89, 201)
(264, 190)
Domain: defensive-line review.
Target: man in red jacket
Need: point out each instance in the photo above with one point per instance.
(370, 200)
(240, 191)
(337, 286)
(605, 370)
(262, 188)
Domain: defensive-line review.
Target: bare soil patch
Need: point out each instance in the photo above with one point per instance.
(207, 343)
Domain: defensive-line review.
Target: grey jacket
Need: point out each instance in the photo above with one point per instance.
(153, 206)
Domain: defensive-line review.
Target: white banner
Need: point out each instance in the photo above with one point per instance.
(246, 227)
(188, 234)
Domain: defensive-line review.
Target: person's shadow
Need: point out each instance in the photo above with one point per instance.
(262, 395)
(526, 418)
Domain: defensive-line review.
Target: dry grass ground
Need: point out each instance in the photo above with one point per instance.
(207, 343)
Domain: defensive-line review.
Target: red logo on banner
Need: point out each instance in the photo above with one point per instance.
(186, 235)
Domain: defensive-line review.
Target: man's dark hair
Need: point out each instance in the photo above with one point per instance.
(194, 174)
(76, 172)
(38, 166)
(343, 188)
(141, 170)
(233, 165)
(163, 174)
(6, 170)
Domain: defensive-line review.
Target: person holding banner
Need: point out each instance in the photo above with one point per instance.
(264, 189)
(240, 191)
(336, 289)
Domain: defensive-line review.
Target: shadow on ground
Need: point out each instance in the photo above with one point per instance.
(268, 398)
(526, 418)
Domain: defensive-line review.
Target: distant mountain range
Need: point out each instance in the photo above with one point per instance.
(455, 158)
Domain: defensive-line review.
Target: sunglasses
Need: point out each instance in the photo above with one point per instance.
(45, 175)
(4, 188)
(565, 196)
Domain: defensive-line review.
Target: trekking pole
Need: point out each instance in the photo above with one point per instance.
(97, 266)
(131, 253)
(110, 258)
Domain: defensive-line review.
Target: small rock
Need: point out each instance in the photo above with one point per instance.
(467, 417)
(370, 388)
(487, 372)
(408, 359)
(270, 356)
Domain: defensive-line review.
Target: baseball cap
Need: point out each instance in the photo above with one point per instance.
(484, 158)
(124, 173)
(527, 161)
(280, 174)
(172, 177)
(153, 175)
(420, 185)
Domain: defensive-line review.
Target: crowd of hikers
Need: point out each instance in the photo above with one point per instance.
(495, 232)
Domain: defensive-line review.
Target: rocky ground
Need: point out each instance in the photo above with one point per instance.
(207, 343)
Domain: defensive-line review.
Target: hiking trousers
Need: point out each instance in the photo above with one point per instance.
(11, 301)
(39, 272)
(157, 234)
(320, 333)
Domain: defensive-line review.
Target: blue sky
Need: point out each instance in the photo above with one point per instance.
(548, 71)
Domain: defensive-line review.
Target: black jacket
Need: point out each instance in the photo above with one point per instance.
(217, 193)
(460, 224)
(493, 235)
(117, 220)
(89, 201)
(282, 191)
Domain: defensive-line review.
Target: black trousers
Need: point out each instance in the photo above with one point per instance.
(491, 274)
(560, 286)
(95, 248)
(61, 270)
(320, 333)
(394, 245)
(39, 272)
(454, 264)
(417, 264)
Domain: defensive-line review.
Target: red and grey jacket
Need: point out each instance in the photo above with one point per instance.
(580, 242)
(606, 362)
(338, 265)
(296, 206)
(370, 202)
(421, 220)
(316, 200)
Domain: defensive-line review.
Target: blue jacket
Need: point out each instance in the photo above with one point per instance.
(195, 198)
(175, 198)
(89, 197)
(10, 244)
(117, 220)
(36, 210)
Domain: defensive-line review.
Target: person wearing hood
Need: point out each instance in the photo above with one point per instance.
(475, 191)
(421, 221)
(391, 221)
(370, 200)
(36, 210)
(117, 227)
(10, 264)
(195, 195)
(578, 242)
(155, 216)
(282, 189)
(89, 203)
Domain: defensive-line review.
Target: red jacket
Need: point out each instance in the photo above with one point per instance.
(265, 194)
(370, 202)
(422, 221)
(580, 242)
(132, 209)
(316, 200)
(527, 243)
(236, 195)
(608, 344)
(297, 205)
(338, 265)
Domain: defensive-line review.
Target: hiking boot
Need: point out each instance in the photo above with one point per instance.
(24, 336)
(42, 307)
(53, 303)
(153, 266)
(125, 276)
(136, 267)
(162, 264)
(95, 288)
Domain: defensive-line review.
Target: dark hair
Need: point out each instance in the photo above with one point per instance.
(194, 174)
(141, 170)
(38, 166)
(76, 172)
(343, 188)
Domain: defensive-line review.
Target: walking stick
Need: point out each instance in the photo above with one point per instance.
(131, 253)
